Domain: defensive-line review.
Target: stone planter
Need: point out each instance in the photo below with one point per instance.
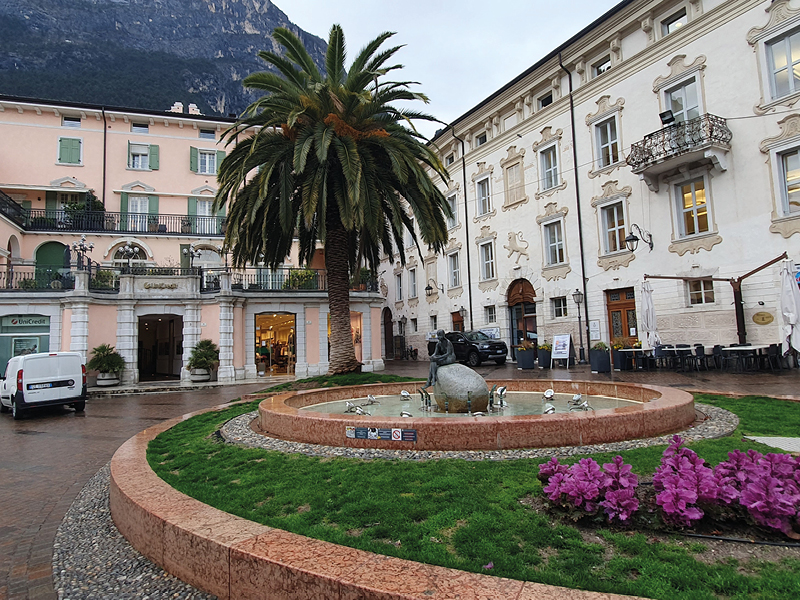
(107, 379)
(526, 359)
(199, 375)
(600, 361)
(544, 359)
(622, 360)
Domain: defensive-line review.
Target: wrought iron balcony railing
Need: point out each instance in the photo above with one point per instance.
(95, 221)
(36, 279)
(258, 279)
(677, 139)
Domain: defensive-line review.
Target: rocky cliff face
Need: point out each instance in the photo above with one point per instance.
(139, 53)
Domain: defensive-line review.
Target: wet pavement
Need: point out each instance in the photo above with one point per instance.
(49, 456)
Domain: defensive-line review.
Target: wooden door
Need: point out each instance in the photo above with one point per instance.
(458, 321)
(622, 324)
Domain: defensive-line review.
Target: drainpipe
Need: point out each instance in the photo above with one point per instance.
(105, 140)
(466, 226)
(578, 204)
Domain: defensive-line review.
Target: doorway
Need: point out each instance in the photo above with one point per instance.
(160, 347)
(522, 308)
(275, 344)
(388, 334)
(458, 321)
(621, 306)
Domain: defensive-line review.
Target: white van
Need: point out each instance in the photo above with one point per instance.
(43, 379)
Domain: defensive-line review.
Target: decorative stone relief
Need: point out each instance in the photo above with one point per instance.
(557, 272)
(455, 292)
(485, 235)
(549, 192)
(452, 245)
(514, 157)
(487, 286)
(697, 8)
(580, 69)
(694, 244)
(605, 108)
(384, 288)
(779, 11)
(133, 185)
(611, 191)
(482, 171)
(790, 128)
(484, 217)
(678, 69)
(398, 268)
(547, 137)
(551, 210)
(398, 305)
(647, 27)
(412, 261)
(413, 302)
(69, 182)
(615, 45)
(615, 261)
(517, 245)
(786, 226)
(555, 83)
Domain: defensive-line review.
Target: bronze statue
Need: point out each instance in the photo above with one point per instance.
(443, 355)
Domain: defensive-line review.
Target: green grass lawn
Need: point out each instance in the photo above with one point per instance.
(464, 515)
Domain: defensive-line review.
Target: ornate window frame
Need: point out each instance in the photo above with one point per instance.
(514, 158)
(553, 214)
(679, 74)
(453, 192)
(612, 194)
(605, 111)
(549, 140)
(699, 241)
(482, 174)
(783, 222)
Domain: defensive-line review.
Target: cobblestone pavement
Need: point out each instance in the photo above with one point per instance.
(47, 458)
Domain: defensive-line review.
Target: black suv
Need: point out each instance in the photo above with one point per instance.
(475, 347)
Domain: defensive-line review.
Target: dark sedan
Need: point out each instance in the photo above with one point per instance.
(474, 347)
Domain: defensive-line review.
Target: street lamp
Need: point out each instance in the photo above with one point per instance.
(192, 253)
(130, 253)
(430, 290)
(632, 241)
(577, 296)
(81, 248)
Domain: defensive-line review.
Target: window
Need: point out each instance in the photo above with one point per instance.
(480, 139)
(614, 227)
(398, 291)
(701, 291)
(140, 128)
(412, 283)
(206, 223)
(514, 185)
(607, 142)
(674, 22)
(791, 181)
(783, 58)
(449, 160)
(69, 151)
(410, 234)
(545, 100)
(207, 134)
(559, 306)
(414, 326)
(693, 210)
(683, 101)
(490, 313)
(484, 199)
(138, 207)
(601, 66)
(487, 261)
(451, 202)
(71, 122)
(434, 320)
(119, 260)
(207, 163)
(549, 166)
(453, 270)
(554, 243)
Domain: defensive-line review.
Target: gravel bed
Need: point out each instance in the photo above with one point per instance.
(717, 423)
(91, 559)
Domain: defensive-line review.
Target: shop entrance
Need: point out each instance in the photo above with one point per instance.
(23, 334)
(522, 306)
(621, 305)
(160, 347)
(275, 344)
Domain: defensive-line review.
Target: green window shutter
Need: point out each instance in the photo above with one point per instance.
(220, 156)
(26, 205)
(70, 151)
(153, 205)
(154, 157)
(63, 150)
(184, 257)
(220, 218)
(194, 159)
(50, 199)
(123, 209)
(129, 154)
(192, 213)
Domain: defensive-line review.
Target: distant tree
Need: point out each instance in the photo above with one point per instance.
(330, 159)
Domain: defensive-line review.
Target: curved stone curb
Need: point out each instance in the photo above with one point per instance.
(231, 557)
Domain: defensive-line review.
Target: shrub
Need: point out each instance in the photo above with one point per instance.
(205, 355)
(301, 279)
(601, 346)
(106, 360)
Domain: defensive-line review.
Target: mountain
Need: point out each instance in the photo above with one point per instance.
(140, 53)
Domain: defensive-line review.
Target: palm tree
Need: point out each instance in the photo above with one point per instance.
(329, 159)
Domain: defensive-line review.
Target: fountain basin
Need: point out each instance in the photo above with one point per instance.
(657, 411)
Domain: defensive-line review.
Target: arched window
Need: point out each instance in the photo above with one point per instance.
(119, 260)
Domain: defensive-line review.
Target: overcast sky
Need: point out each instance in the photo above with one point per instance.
(460, 52)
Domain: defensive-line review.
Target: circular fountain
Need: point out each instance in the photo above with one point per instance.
(520, 417)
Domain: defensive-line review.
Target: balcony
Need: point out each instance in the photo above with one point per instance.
(36, 279)
(700, 140)
(99, 221)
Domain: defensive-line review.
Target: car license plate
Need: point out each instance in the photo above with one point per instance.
(40, 386)
(500, 352)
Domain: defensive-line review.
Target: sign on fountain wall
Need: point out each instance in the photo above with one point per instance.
(375, 433)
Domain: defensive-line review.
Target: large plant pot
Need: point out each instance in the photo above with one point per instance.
(526, 359)
(107, 379)
(622, 360)
(544, 359)
(199, 375)
(600, 360)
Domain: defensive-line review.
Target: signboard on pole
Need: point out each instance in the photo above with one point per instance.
(594, 330)
(561, 347)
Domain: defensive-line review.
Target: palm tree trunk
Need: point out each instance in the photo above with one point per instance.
(342, 353)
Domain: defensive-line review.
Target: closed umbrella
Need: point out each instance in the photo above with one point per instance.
(790, 308)
(652, 338)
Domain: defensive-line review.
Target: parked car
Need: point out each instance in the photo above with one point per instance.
(474, 347)
(43, 379)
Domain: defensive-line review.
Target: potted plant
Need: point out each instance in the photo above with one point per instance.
(526, 355)
(600, 358)
(108, 362)
(620, 360)
(203, 359)
(545, 351)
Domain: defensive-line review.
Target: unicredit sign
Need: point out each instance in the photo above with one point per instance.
(21, 321)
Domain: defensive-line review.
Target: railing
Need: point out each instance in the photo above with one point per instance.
(164, 271)
(209, 280)
(262, 279)
(104, 280)
(38, 219)
(40, 279)
(12, 210)
(679, 138)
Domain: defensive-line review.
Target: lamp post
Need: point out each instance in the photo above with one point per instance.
(632, 241)
(81, 248)
(129, 252)
(577, 296)
(431, 290)
(192, 253)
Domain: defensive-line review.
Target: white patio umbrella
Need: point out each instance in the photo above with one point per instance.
(652, 339)
(790, 308)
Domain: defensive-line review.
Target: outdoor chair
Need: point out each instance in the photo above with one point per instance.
(660, 356)
(671, 356)
(684, 356)
(700, 357)
(717, 356)
(773, 357)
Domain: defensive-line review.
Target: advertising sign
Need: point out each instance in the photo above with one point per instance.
(24, 345)
(22, 321)
(561, 344)
(594, 330)
(492, 332)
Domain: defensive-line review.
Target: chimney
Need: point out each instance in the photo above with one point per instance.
(177, 108)
(193, 110)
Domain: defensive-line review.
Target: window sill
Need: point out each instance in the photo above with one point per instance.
(612, 262)
(786, 225)
(695, 243)
(789, 101)
(558, 271)
(60, 164)
(488, 284)
(140, 170)
(607, 169)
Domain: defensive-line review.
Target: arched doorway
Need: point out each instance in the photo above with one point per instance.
(388, 334)
(522, 307)
(51, 258)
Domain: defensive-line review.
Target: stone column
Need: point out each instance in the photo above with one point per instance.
(366, 339)
(191, 335)
(127, 340)
(79, 329)
(226, 371)
(301, 356)
(324, 358)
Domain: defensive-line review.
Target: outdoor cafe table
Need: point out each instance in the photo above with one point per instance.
(632, 358)
(757, 349)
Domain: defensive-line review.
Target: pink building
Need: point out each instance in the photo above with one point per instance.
(139, 186)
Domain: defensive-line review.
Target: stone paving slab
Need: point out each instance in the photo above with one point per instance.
(786, 444)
